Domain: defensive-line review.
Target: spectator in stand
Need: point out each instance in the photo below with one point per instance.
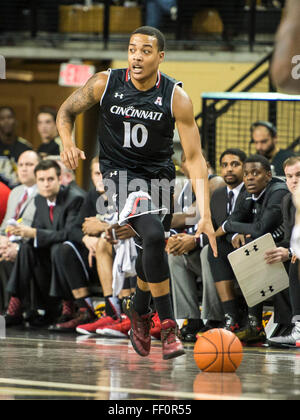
(283, 253)
(46, 124)
(258, 213)
(4, 194)
(20, 206)
(57, 208)
(11, 146)
(264, 137)
(185, 253)
(156, 9)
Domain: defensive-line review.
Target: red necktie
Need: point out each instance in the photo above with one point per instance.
(51, 210)
(20, 205)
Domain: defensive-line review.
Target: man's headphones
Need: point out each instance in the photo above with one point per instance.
(271, 127)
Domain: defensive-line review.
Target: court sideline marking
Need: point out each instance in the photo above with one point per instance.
(145, 392)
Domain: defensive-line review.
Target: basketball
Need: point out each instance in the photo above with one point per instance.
(218, 350)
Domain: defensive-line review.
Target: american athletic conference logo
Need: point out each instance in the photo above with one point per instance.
(296, 68)
(2, 67)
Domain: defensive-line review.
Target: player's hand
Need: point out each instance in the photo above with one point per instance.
(220, 232)
(238, 241)
(124, 232)
(117, 232)
(181, 244)
(92, 226)
(205, 226)
(11, 252)
(71, 155)
(277, 255)
(91, 244)
(23, 231)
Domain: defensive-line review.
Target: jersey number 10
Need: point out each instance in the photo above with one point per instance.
(136, 135)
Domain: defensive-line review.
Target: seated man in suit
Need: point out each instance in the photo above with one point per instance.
(20, 206)
(56, 210)
(284, 253)
(184, 253)
(258, 213)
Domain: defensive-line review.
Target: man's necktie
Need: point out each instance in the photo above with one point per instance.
(230, 202)
(51, 211)
(20, 205)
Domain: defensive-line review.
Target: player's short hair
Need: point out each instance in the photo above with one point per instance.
(267, 124)
(8, 108)
(44, 165)
(48, 110)
(291, 161)
(259, 159)
(156, 33)
(236, 152)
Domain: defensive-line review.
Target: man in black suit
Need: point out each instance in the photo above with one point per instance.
(258, 213)
(184, 254)
(283, 253)
(57, 209)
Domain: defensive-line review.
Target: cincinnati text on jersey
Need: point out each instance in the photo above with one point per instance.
(132, 112)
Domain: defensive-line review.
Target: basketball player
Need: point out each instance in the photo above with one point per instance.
(285, 69)
(138, 109)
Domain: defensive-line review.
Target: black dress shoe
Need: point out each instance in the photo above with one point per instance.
(12, 321)
(211, 325)
(189, 332)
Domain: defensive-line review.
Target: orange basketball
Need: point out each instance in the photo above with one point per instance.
(218, 350)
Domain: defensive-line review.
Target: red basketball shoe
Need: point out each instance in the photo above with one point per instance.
(140, 328)
(118, 330)
(171, 344)
(155, 331)
(93, 327)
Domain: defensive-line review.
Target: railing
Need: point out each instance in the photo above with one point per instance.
(228, 116)
(204, 25)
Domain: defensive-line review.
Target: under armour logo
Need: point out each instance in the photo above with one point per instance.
(158, 101)
(113, 174)
(248, 251)
(264, 292)
(119, 95)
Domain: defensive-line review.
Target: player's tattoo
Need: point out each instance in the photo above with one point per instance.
(80, 101)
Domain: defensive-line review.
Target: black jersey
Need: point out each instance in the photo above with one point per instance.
(136, 127)
(53, 148)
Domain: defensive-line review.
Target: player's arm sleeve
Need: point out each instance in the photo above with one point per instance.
(270, 219)
(240, 215)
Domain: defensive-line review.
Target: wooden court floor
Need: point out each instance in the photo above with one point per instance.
(41, 365)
